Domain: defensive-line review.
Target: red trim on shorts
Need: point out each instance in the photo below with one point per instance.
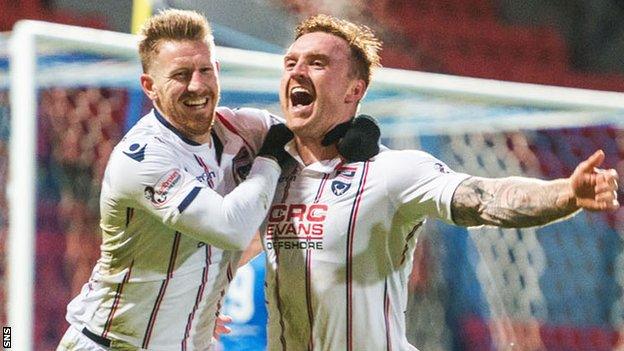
(350, 238)
(161, 293)
(109, 320)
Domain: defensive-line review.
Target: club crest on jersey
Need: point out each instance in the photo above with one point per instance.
(296, 226)
(241, 165)
(339, 188)
(136, 152)
(164, 189)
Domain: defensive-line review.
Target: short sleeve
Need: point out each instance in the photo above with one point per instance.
(420, 184)
(149, 176)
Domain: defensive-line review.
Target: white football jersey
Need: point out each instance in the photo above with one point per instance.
(163, 272)
(340, 240)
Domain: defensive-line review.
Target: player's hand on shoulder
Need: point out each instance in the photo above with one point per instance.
(595, 189)
(357, 139)
(274, 142)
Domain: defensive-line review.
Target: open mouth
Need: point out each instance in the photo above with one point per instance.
(300, 96)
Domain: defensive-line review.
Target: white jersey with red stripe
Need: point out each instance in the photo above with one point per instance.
(163, 269)
(340, 240)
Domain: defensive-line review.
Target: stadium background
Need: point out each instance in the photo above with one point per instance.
(570, 287)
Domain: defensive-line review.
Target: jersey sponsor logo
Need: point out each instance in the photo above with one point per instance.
(339, 188)
(241, 165)
(296, 226)
(206, 177)
(136, 152)
(164, 188)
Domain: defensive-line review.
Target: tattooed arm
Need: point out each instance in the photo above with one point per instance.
(517, 202)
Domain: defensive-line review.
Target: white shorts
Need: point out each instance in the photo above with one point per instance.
(75, 340)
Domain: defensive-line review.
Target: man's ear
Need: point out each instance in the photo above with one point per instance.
(356, 91)
(147, 84)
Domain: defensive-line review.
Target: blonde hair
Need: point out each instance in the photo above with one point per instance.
(365, 46)
(172, 25)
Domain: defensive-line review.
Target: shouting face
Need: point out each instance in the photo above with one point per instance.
(318, 88)
(182, 81)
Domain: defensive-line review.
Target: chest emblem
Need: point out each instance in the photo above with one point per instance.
(342, 182)
(338, 187)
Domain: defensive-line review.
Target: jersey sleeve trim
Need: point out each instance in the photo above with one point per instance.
(188, 199)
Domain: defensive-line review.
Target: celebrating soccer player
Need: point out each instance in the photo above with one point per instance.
(340, 236)
(171, 237)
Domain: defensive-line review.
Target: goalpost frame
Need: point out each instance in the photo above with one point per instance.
(21, 187)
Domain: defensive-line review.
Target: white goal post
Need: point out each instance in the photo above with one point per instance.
(21, 189)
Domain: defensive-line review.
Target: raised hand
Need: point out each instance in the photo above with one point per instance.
(595, 189)
(273, 146)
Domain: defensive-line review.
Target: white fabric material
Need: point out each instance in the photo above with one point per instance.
(340, 240)
(170, 234)
(74, 340)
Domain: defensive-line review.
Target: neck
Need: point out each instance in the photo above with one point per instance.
(204, 138)
(311, 150)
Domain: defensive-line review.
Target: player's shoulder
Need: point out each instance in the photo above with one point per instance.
(401, 157)
(248, 124)
(143, 139)
(245, 118)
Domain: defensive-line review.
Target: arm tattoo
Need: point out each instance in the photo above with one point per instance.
(513, 202)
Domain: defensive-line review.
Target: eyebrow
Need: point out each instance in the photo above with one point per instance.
(312, 56)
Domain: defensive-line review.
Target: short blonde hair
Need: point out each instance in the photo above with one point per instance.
(365, 46)
(172, 25)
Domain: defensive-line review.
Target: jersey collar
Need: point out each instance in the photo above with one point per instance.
(175, 131)
(322, 166)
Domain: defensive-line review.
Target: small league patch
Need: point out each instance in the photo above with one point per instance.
(164, 189)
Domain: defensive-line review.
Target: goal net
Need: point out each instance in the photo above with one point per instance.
(74, 91)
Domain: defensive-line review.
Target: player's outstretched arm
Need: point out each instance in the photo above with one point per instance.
(517, 202)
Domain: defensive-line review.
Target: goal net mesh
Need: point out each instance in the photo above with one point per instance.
(557, 287)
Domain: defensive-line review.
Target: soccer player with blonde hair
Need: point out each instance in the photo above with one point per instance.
(340, 236)
(183, 193)
(175, 210)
